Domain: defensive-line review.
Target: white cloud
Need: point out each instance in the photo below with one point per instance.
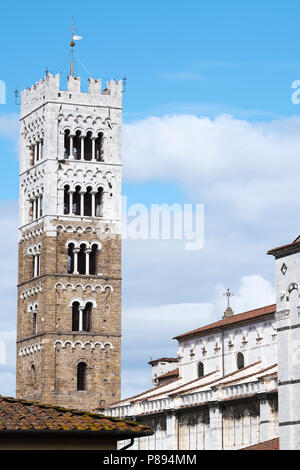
(250, 168)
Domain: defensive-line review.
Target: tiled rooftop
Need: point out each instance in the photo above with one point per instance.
(20, 415)
(273, 444)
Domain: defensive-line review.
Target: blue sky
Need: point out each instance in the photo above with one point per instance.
(187, 65)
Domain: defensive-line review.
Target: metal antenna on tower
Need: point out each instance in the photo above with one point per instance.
(72, 44)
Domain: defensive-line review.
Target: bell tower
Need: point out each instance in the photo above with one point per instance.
(69, 279)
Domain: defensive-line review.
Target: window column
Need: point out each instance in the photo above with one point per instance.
(38, 207)
(40, 149)
(71, 146)
(71, 202)
(82, 202)
(81, 318)
(35, 153)
(76, 251)
(82, 148)
(35, 265)
(93, 148)
(87, 260)
(93, 193)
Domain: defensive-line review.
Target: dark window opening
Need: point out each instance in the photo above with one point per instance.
(86, 319)
(67, 144)
(66, 200)
(99, 147)
(76, 201)
(82, 260)
(34, 325)
(88, 202)
(200, 369)
(240, 361)
(77, 146)
(98, 202)
(75, 316)
(41, 206)
(70, 258)
(88, 146)
(81, 376)
(93, 260)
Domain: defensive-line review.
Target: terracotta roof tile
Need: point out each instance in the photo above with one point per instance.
(226, 322)
(272, 444)
(171, 373)
(20, 415)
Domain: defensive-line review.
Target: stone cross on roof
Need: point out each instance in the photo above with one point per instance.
(228, 312)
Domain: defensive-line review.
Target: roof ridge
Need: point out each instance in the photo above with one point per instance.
(226, 322)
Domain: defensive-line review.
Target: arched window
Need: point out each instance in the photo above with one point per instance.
(66, 199)
(70, 258)
(76, 201)
(77, 146)
(86, 317)
(75, 316)
(41, 205)
(32, 374)
(81, 376)
(99, 202)
(88, 202)
(99, 147)
(67, 144)
(88, 146)
(82, 259)
(34, 323)
(93, 259)
(240, 361)
(200, 369)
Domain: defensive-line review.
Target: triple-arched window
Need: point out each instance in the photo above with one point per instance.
(82, 259)
(83, 147)
(83, 202)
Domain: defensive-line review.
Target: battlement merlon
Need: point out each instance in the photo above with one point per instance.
(48, 89)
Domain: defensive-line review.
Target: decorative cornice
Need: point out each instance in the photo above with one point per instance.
(74, 287)
(64, 344)
(33, 348)
(32, 291)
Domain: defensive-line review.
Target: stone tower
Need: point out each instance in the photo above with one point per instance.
(69, 283)
(287, 268)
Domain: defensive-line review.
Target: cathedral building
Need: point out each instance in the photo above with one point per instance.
(69, 272)
(235, 383)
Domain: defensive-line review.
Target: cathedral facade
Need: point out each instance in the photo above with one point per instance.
(234, 383)
(69, 276)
